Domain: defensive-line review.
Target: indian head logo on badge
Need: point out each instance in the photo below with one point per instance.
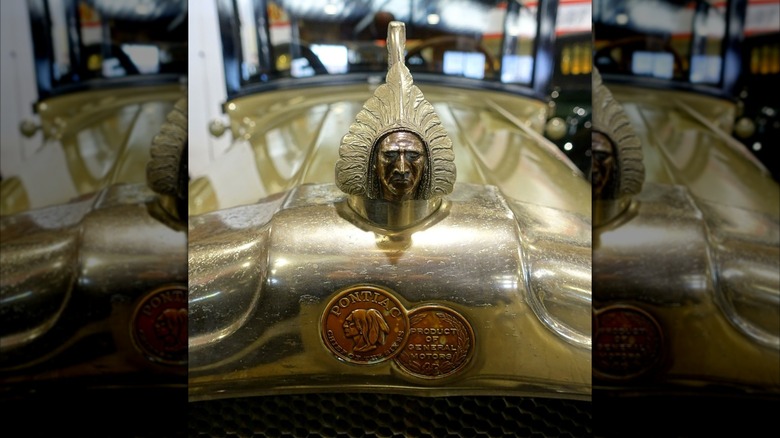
(159, 325)
(364, 325)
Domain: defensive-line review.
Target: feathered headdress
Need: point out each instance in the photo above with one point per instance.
(397, 105)
(611, 119)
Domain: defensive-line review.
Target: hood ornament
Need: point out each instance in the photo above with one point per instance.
(396, 151)
(617, 171)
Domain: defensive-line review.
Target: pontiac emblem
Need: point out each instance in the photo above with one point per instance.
(627, 342)
(364, 325)
(159, 325)
(440, 343)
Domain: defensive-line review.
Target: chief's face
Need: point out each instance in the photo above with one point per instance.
(350, 330)
(603, 160)
(401, 162)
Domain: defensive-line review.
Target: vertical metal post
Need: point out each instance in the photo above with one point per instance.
(736, 11)
(264, 48)
(545, 46)
(40, 28)
(229, 30)
(73, 24)
(509, 42)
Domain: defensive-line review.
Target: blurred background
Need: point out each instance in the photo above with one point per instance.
(729, 49)
(65, 48)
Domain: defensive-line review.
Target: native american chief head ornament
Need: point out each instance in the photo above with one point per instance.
(617, 170)
(396, 149)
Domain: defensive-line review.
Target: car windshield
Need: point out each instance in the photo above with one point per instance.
(476, 41)
(693, 43)
(82, 43)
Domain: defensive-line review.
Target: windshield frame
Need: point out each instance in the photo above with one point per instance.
(734, 13)
(229, 28)
(43, 56)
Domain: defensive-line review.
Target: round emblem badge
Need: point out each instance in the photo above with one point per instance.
(159, 325)
(364, 325)
(440, 343)
(627, 342)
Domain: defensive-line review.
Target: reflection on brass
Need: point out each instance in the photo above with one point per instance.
(159, 325)
(491, 142)
(13, 196)
(201, 196)
(398, 216)
(396, 149)
(264, 280)
(290, 290)
(364, 325)
(122, 120)
(440, 343)
(627, 342)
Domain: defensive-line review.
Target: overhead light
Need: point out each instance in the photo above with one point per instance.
(332, 8)
(433, 19)
(143, 9)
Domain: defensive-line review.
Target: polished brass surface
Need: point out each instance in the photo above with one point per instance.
(126, 118)
(92, 289)
(685, 265)
(502, 283)
(681, 148)
(692, 252)
(262, 275)
(13, 197)
(293, 138)
(201, 196)
(74, 274)
(708, 273)
(105, 135)
(388, 215)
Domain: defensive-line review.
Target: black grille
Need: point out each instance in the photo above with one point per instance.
(380, 415)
